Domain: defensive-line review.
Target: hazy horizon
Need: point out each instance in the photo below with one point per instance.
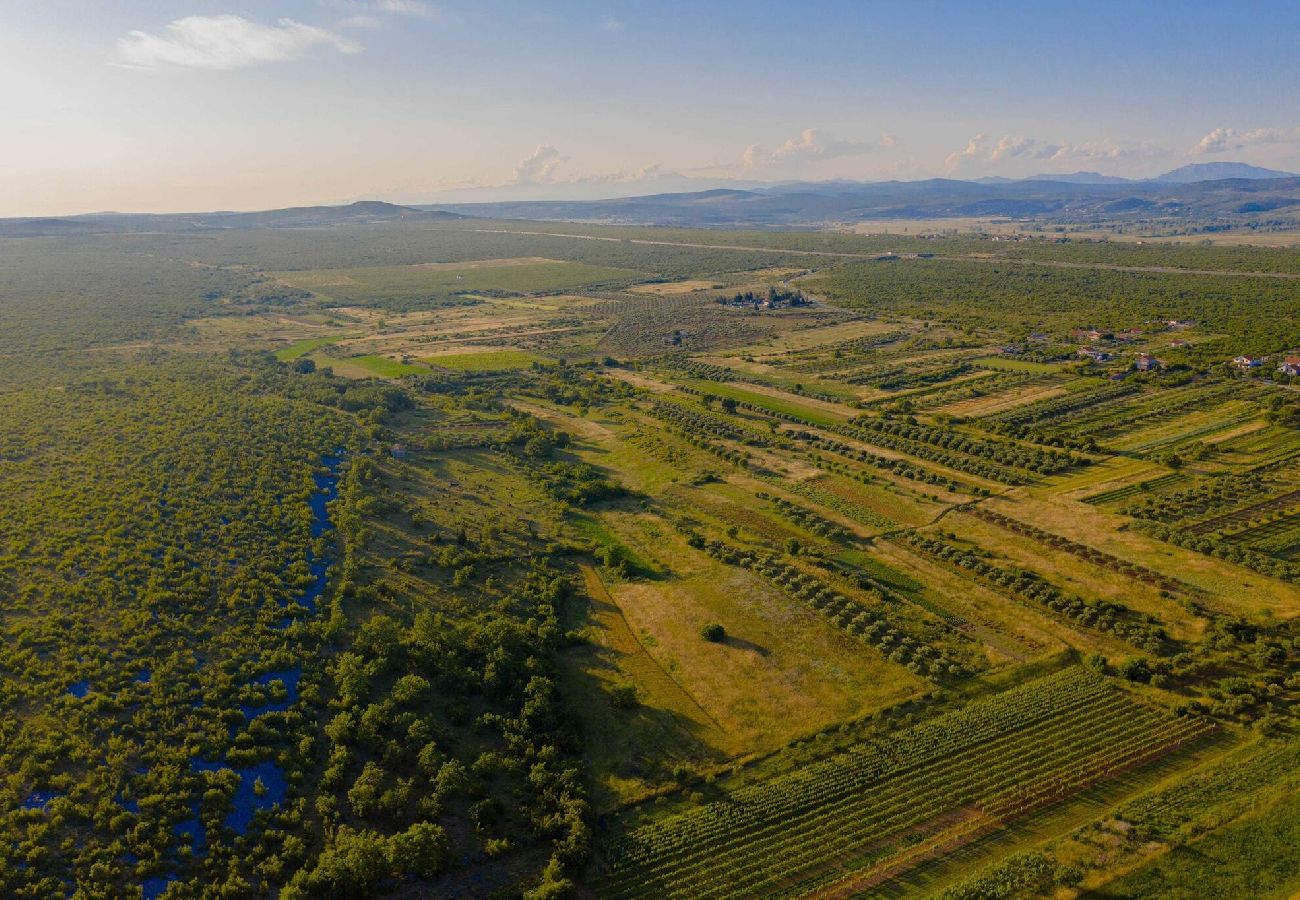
(152, 107)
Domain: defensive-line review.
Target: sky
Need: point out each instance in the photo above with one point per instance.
(189, 105)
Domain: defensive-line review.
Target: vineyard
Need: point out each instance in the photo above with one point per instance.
(1143, 631)
(508, 559)
(864, 815)
(875, 623)
(1092, 555)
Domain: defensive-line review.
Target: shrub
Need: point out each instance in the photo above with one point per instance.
(713, 633)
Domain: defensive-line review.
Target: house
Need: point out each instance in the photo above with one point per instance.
(1092, 353)
(1131, 334)
(398, 451)
(1290, 366)
(1180, 324)
(1145, 362)
(1093, 335)
(1039, 337)
(1248, 362)
(1177, 344)
(1010, 350)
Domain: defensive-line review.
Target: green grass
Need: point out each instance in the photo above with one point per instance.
(767, 402)
(1258, 857)
(410, 287)
(487, 361)
(384, 367)
(305, 346)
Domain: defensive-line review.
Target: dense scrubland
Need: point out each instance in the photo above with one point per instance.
(433, 560)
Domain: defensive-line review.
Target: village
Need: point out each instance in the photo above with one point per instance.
(1102, 346)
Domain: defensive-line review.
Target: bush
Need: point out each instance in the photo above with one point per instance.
(623, 696)
(713, 633)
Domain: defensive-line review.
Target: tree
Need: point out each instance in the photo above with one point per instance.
(353, 864)
(623, 696)
(713, 633)
(419, 850)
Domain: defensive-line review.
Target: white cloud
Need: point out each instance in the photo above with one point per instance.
(362, 21)
(415, 8)
(1010, 147)
(809, 144)
(958, 158)
(539, 167)
(1224, 140)
(225, 42)
(611, 24)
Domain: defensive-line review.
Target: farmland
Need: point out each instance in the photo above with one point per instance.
(471, 557)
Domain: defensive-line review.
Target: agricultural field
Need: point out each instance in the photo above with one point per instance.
(479, 558)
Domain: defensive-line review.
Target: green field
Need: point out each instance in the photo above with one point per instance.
(382, 366)
(413, 286)
(303, 347)
(487, 361)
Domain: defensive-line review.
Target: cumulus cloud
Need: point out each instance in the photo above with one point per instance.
(809, 144)
(1008, 147)
(539, 167)
(958, 158)
(226, 42)
(1224, 140)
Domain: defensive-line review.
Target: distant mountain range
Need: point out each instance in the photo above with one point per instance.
(1197, 192)
(1217, 172)
(1189, 174)
(1221, 193)
(361, 213)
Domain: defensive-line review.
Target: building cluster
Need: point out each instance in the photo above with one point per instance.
(1290, 365)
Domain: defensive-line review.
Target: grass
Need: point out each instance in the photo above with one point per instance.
(782, 672)
(418, 283)
(305, 346)
(381, 366)
(809, 410)
(1258, 857)
(487, 361)
(629, 749)
(1011, 364)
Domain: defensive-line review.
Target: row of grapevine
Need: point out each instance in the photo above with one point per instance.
(1083, 551)
(697, 369)
(1123, 492)
(805, 518)
(703, 424)
(853, 771)
(1230, 551)
(872, 625)
(901, 467)
(1206, 497)
(943, 394)
(909, 376)
(1038, 460)
(1056, 408)
(799, 831)
(847, 508)
(1143, 631)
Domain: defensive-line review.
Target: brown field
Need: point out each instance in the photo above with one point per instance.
(671, 288)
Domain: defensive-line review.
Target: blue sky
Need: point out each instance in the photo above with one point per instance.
(202, 104)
